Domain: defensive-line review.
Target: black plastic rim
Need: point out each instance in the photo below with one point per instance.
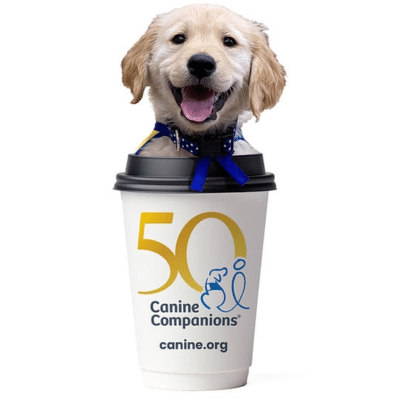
(174, 175)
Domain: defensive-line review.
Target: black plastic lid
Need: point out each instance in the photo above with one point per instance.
(174, 175)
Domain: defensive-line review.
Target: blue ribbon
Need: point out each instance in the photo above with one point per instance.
(203, 163)
(225, 161)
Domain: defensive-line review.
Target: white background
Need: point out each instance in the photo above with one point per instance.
(328, 322)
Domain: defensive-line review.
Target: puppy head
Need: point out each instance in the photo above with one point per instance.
(205, 66)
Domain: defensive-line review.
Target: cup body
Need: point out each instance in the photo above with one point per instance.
(194, 262)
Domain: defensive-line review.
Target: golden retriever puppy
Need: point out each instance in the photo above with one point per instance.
(208, 70)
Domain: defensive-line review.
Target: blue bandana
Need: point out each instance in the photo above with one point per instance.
(220, 149)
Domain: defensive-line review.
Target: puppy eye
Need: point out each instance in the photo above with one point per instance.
(178, 39)
(229, 41)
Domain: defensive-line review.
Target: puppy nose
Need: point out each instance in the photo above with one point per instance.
(201, 65)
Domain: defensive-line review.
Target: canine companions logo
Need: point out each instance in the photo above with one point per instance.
(219, 283)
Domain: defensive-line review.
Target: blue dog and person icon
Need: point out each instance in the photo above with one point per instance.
(214, 295)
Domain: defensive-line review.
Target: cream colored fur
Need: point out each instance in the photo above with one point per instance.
(250, 67)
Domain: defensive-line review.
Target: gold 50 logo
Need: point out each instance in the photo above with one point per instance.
(177, 261)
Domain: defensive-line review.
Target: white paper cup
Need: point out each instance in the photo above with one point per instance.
(195, 263)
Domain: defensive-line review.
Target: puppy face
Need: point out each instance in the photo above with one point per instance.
(205, 66)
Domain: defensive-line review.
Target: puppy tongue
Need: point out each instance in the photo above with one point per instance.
(197, 102)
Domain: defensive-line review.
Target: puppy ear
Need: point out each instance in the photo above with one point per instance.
(134, 64)
(267, 76)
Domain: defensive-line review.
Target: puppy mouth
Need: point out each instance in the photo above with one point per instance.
(198, 103)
